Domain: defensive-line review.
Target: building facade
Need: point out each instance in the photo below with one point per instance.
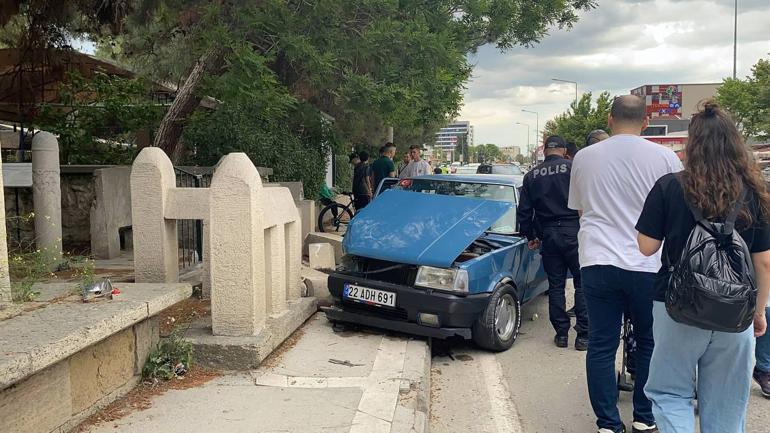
(454, 134)
(511, 152)
(674, 100)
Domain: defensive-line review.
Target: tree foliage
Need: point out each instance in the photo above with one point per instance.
(582, 118)
(105, 132)
(749, 100)
(485, 153)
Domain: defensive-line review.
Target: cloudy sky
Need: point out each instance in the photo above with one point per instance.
(618, 46)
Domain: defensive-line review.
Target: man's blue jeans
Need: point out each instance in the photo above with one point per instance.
(718, 364)
(608, 292)
(762, 352)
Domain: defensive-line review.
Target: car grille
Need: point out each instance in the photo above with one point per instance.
(388, 272)
(386, 313)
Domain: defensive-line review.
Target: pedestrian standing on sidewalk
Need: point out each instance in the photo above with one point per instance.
(362, 181)
(384, 167)
(543, 204)
(405, 160)
(720, 184)
(417, 166)
(610, 181)
(762, 357)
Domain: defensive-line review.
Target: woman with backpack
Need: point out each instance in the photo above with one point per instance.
(714, 218)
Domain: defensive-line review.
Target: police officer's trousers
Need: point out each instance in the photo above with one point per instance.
(560, 253)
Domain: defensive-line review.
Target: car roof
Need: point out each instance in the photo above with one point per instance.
(473, 178)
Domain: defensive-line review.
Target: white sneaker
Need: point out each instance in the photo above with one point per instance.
(640, 427)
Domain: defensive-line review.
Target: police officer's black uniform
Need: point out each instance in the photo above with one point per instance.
(543, 214)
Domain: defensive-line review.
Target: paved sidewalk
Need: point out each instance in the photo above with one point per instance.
(321, 381)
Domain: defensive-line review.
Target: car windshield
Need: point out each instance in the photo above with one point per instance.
(505, 225)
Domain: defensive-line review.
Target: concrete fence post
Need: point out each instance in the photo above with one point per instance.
(156, 248)
(5, 282)
(46, 194)
(238, 280)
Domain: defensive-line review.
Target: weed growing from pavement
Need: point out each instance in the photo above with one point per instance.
(171, 357)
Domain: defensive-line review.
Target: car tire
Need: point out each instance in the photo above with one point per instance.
(488, 331)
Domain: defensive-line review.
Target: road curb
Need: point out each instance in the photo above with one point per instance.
(412, 414)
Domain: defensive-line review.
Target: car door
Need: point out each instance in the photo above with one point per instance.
(386, 184)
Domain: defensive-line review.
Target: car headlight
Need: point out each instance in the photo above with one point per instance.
(455, 280)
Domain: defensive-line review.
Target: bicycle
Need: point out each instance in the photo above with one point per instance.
(334, 215)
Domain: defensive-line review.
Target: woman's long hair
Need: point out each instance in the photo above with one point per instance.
(718, 164)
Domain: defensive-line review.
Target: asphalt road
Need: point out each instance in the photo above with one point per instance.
(534, 387)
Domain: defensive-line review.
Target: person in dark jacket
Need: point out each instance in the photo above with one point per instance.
(362, 181)
(543, 205)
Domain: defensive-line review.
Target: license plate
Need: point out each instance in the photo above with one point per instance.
(368, 296)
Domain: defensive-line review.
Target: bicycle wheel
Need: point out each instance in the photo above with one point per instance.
(333, 217)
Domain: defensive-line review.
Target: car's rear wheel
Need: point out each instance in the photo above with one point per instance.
(498, 325)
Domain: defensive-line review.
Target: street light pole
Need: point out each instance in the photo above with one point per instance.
(529, 147)
(572, 82)
(735, 41)
(537, 125)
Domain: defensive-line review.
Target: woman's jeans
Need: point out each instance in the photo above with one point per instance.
(763, 349)
(717, 364)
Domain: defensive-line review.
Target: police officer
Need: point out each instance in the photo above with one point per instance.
(548, 223)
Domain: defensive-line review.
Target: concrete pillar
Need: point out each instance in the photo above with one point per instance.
(46, 194)
(156, 248)
(238, 292)
(206, 276)
(5, 283)
(293, 260)
(307, 216)
(275, 268)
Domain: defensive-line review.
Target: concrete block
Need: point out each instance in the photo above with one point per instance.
(146, 336)
(307, 216)
(46, 336)
(38, 404)
(321, 256)
(110, 211)
(296, 188)
(333, 239)
(100, 369)
(318, 285)
(247, 352)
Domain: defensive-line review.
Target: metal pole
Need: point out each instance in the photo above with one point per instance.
(390, 134)
(735, 41)
(537, 125)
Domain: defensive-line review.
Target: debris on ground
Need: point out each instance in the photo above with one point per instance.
(140, 398)
(346, 363)
(181, 314)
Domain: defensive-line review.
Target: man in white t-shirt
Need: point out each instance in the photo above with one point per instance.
(609, 184)
(417, 166)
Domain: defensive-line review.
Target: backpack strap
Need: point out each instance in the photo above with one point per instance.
(733, 215)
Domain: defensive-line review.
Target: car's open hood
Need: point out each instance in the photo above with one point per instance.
(420, 229)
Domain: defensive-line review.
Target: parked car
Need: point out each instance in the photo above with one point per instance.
(467, 169)
(503, 170)
(439, 256)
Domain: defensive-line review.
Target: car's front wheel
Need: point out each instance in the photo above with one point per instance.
(498, 325)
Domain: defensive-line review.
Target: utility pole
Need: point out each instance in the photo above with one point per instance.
(537, 127)
(735, 42)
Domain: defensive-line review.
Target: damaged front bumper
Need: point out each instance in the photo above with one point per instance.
(455, 314)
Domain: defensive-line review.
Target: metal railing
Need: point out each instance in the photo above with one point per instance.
(190, 232)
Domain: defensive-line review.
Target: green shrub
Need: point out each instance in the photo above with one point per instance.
(167, 354)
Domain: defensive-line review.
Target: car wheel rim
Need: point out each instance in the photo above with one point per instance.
(505, 317)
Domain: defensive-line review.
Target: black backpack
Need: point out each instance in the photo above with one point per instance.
(712, 285)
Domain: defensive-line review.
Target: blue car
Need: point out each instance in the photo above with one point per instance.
(439, 256)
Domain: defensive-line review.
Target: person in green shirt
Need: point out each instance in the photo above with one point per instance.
(383, 167)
